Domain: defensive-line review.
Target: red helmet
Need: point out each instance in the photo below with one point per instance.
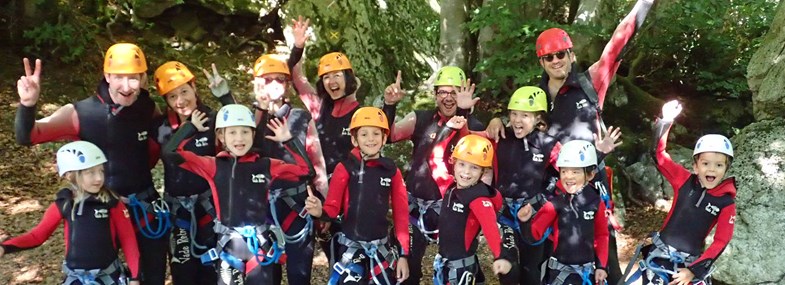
(552, 40)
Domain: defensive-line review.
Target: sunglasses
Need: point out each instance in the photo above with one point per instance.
(560, 55)
(279, 79)
(444, 93)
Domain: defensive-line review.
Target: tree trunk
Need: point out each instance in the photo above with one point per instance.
(452, 41)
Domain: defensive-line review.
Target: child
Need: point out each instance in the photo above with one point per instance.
(577, 217)
(362, 188)
(701, 200)
(239, 180)
(468, 205)
(94, 221)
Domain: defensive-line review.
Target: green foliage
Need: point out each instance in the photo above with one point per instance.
(59, 40)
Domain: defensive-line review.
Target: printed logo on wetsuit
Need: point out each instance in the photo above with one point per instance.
(200, 142)
(457, 207)
(258, 178)
(732, 219)
(713, 210)
(101, 213)
(588, 215)
(141, 135)
(538, 157)
(125, 213)
(384, 181)
(345, 132)
(487, 204)
(581, 104)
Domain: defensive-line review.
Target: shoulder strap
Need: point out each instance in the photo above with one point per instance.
(588, 88)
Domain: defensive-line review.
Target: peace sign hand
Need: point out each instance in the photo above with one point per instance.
(393, 93)
(300, 31)
(29, 86)
(465, 93)
(218, 86)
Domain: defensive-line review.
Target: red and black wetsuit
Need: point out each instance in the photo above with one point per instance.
(695, 211)
(124, 134)
(519, 174)
(92, 232)
(362, 192)
(240, 189)
(580, 229)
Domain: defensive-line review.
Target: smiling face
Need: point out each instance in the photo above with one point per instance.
(574, 178)
(91, 180)
(335, 84)
(124, 88)
(710, 168)
(466, 173)
(236, 139)
(558, 68)
(446, 100)
(370, 140)
(182, 100)
(523, 122)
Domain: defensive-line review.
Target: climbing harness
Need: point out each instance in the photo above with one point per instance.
(287, 195)
(266, 243)
(660, 251)
(158, 207)
(93, 276)
(514, 205)
(188, 203)
(371, 249)
(583, 270)
(453, 266)
(422, 207)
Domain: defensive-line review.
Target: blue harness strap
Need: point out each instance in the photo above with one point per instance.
(514, 205)
(158, 207)
(286, 196)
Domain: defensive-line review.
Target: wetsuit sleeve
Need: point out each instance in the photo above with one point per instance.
(601, 236)
(203, 166)
(400, 208)
(676, 174)
(439, 171)
(722, 236)
(544, 218)
(307, 93)
(602, 71)
(339, 184)
(63, 124)
(125, 233)
(295, 56)
(482, 209)
(227, 99)
(279, 169)
(38, 235)
(314, 150)
(402, 129)
(554, 156)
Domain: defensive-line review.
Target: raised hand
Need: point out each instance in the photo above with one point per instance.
(670, 110)
(300, 31)
(280, 129)
(495, 130)
(393, 93)
(262, 98)
(218, 85)
(199, 119)
(29, 86)
(607, 144)
(465, 93)
(313, 205)
(456, 122)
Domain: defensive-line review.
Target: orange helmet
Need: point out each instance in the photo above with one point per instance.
(333, 61)
(124, 59)
(171, 75)
(268, 63)
(369, 117)
(552, 40)
(474, 149)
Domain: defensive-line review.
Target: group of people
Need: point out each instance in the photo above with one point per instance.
(250, 189)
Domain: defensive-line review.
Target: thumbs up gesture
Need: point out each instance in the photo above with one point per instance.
(312, 204)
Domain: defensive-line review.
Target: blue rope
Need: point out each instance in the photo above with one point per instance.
(438, 269)
(161, 214)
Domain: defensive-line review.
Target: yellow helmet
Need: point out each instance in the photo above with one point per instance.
(124, 58)
(267, 64)
(369, 117)
(528, 99)
(171, 75)
(474, 149)
(333, 61)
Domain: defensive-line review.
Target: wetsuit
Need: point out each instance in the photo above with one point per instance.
(239, 186)
(520, 177)
(362, 191)
(695, 211)
(124, 134)
(422, 128)
(92, 232)
(580, 235)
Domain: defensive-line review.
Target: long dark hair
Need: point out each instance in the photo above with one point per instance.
(351, 85)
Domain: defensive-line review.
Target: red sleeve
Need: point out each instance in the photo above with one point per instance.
(554, 156)
(482, 209)
(722, 236)
(307, 93)
(439, 171)
(314, 150)
(605, 68)
(404, 128)
(63, 124)
(125, 233)
(544, 218)
(289, 172)
(339, 184)
(676, 174)
(601, 235)
(400, 208)
(38, 235)
(203, 166)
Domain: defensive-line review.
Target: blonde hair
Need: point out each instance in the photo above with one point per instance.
(79, 195)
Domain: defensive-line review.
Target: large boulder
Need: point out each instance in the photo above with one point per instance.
(766, 71)
(755, 254)
(648, 183)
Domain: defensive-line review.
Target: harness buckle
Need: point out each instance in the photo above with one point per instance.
(209, 256)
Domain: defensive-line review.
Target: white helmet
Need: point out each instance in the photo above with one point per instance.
(78, 155)
(234, 115)
(577, 153)
(713, 143)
